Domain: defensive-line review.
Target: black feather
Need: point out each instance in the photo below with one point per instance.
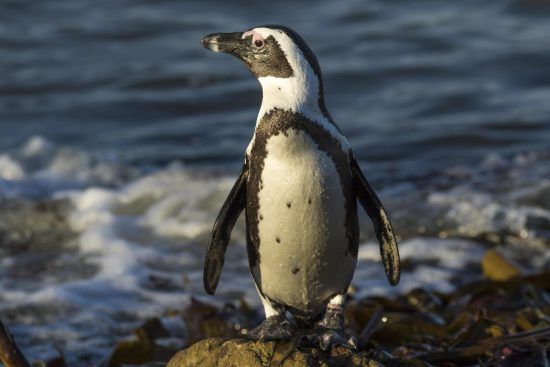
(382, 225)
(221, 233)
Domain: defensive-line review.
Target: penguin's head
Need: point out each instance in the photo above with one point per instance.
(281, 60)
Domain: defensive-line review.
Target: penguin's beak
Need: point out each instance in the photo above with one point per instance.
(229, 43)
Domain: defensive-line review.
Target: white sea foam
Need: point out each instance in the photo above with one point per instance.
(10, 169)
(139, 241)
(478, 212)
(180, 204)
(437, 262)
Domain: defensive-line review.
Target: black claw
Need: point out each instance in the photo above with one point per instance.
(331, 333)
(332, 338)
(273, 328)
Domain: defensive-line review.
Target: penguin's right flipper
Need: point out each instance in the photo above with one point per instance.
(215, 253)
(382, 225)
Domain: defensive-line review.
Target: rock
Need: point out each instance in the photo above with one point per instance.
(498, 268)
(144, 348)
(218, 352)
(204, 320)
(203, 353)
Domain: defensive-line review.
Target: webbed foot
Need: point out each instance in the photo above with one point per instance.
(275, 327)
(331, 332)
(333, 318)
(334, 338)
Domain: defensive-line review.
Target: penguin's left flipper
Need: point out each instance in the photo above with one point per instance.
(221, 233)
(382, 225)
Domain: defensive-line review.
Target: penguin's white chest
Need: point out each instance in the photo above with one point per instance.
(303, 245)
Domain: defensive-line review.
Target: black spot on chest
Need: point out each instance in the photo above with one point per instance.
(279, 122)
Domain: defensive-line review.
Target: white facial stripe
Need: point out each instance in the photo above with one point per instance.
(299, 93)
(255, 35)
(292, 52)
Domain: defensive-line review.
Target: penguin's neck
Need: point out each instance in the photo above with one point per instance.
(299, 93)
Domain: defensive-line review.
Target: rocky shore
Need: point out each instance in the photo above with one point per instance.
(501, 320)
(214, 352)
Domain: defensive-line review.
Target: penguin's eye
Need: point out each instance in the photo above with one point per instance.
(259, 43)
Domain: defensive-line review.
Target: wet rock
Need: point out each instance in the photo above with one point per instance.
(216, 352)
(207, 321)
(487, 322)
(144, 348)
(498, 268)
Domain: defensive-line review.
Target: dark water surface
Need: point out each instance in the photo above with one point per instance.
(120, 137)
(415, 86)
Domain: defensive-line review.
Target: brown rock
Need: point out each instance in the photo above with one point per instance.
(204, 353)
(498, 268)
(218, 352)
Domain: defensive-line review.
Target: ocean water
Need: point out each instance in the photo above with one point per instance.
(120, 138)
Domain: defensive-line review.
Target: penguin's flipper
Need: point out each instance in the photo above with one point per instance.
(215, 253)
(382, 225)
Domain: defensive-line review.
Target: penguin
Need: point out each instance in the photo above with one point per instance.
(299, 187)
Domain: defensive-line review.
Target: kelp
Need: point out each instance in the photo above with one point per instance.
(145, 348)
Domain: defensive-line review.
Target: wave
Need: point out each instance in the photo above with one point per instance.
(84, 239)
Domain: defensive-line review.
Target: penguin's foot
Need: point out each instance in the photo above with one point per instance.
(335, 338)
(333, 318)
(330, 330)
(275, 327)
(326, 339)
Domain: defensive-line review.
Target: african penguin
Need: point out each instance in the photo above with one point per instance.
(299, 186)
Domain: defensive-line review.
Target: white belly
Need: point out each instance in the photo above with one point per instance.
(303, 245)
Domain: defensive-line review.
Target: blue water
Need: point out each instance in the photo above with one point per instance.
(120, 137)
(414, 86)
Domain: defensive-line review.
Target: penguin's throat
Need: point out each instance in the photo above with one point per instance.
(290, 94)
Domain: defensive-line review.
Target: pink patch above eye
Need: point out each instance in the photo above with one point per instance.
(255, 36)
